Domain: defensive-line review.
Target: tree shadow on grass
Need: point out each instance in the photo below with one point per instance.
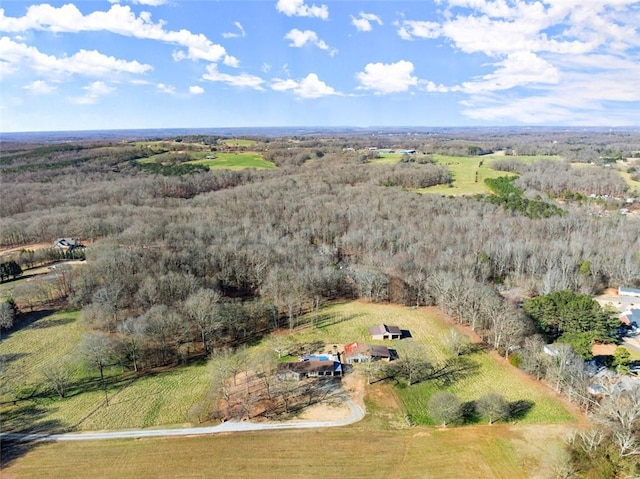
(519, 409)
(9, 358)
(26, 320)
(18, 424)
(470, 413)
(453, 370)
(15, 447)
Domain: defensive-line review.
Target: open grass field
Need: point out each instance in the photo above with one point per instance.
(634, 185)
(348, 322)
(228, 161)
(242, 142)
(468, 173)
(499, 451)
(380, 446)
(235, 161)
(153, 400)
(39, 344)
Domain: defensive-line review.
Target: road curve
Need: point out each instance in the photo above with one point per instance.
(355, 415)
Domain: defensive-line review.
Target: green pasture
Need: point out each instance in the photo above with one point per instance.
(39, 343)
(633, 185)
(469, 172)
(148, 401)
(386, 158)
(222, 160)
(234, 161)
(242, 142)
(348, 322)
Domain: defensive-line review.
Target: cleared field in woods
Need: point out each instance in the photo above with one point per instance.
(234, 161)
(347, 322)
(468, 173)
(242, 142)
(166, 398)
(152, 400)
(499, 451)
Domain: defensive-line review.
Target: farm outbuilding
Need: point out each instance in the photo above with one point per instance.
(383, 331)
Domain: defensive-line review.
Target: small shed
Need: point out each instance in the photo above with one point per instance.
(383, 331)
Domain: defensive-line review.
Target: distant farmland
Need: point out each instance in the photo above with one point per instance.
(234, 161)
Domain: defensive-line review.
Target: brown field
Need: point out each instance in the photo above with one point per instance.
(499, 451)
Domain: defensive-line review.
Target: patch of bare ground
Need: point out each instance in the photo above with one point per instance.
(603, 349)
(5, 251)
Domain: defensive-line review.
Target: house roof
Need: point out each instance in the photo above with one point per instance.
(631, 316)
(622, 291)
(65, 242)
(375, 351)
(306, 367)
(384, 329)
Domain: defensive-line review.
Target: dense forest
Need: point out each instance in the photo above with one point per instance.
(261, 247)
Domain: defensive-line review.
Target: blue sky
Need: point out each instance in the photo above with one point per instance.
(118, 64)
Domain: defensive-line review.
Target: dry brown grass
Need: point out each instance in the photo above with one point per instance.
(500, 451)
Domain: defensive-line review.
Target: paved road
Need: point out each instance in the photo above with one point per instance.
(355, 415)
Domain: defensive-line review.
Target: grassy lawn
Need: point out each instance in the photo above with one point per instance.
(500, 451)
(633, 185)
(347, 322)
(242, 142)
(469, 173)
(235, 161)
(149, 401)
(380, 446)
(229, 161)
(41, 343)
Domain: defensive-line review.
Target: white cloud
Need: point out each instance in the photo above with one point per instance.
(297, 8)
(119, 19)
(196, 90)
(242, 80)
(150, 3)
(84, 62)
(518, 69)
(40, 87)
(166, 88)
(557, 61)
(309, 87)
(363, 21)
(387, 78)
(94, 91)
(410, 29)
(239, 33)
(300, 38)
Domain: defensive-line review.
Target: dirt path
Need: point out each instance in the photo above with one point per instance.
(355, 414)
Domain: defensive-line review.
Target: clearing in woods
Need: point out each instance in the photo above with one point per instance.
(379, 446)
(348, 322)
